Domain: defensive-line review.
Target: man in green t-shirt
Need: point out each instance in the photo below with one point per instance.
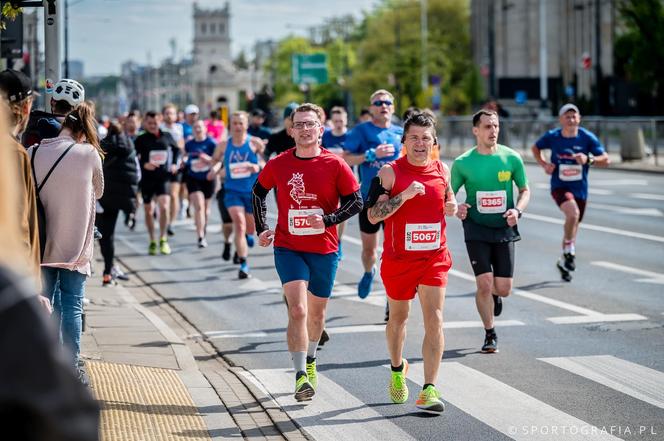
(488, 173)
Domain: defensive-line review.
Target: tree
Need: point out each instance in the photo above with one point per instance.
(241, 61)
(639, 49)
(389, 56)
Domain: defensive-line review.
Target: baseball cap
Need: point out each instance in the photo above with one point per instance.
(290, 108)
(16, 85)
(258, 112)
(191, 108)
(566, 108)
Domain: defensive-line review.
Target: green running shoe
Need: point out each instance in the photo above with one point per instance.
(303, 389)
(152, 248)
(398, 387)
(311, 372)
(430, 401)
(164, 248)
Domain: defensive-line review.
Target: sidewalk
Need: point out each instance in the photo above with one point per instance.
(153, 383)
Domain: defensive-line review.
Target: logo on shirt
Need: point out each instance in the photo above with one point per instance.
(298, 192)
(237, 156)
(504, 175)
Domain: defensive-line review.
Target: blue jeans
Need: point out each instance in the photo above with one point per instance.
(66, 290)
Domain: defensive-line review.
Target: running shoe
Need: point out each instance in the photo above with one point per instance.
(202, 243)
(429, 400)
(108, 280)
(236, 258)
(118, 274)
(226, 255)
(164, 248)
(303, 389)
(497, 305)
(244, 271)
(152, 248)
(490, 344)
(364, 287)
(569, 263)
(311, 372)
(250, 240)
(170, 231)
(398, 388)
(324, 338)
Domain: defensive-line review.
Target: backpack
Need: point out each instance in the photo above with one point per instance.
(41, 212)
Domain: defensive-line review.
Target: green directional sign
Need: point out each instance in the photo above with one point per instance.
(309, 68)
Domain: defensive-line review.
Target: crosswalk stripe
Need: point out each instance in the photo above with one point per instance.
(632, 379)
(334, 413)
(500, 406)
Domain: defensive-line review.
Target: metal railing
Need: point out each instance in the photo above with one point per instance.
(633, 138)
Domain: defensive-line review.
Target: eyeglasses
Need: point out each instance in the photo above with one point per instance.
(305, 125)
(379, 103)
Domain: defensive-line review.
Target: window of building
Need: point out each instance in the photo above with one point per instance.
(222, 28)
(213, 28)
(203, 28)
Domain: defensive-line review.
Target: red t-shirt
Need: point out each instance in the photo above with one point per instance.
(417, 229)
(307, 186)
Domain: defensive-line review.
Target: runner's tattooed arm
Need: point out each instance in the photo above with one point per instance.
(385, 208)
(258, 201)
(350, 205)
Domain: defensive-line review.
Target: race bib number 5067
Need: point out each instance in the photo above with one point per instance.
(421, 237)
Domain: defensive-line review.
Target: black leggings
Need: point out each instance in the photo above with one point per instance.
(106, 224)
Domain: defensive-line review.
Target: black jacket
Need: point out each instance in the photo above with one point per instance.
(120, 173)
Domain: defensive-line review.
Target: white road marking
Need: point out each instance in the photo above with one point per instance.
(585, 226)
(619, 182)
(653, 212)
(598, 318)
(629, 378)
(648, 276)
(648, 196)
(600, 192)
(504, 408)
(334, 413)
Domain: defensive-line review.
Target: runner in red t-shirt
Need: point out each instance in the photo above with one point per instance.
(413, 196)
(316, 190)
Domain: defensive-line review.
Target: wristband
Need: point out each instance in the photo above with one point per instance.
(520, 212)
(370, 155)
(591, 160)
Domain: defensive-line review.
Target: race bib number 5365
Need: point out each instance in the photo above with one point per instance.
(489, 202)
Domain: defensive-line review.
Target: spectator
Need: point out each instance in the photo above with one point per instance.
(256, 125)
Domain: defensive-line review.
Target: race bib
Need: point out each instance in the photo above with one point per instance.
(298, 224)
(490, 202)
(199, 166)
(336, 150)
(159, 157)
(420, 237)
(570, 172)
(239, 170)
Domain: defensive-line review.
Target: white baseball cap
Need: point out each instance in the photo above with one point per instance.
(191, 108)
(566, 108)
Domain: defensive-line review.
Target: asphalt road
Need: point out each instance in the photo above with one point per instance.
(579, 360)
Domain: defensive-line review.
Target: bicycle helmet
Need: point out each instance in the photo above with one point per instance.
(69, 90)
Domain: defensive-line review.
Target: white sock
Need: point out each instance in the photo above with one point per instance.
(299, 361)
(569, 247)
(311, 351)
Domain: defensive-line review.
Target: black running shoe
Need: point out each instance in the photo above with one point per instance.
(497, 305)
(490, 344)
(324, 338)
(236, 258)
(202, 243)
(569, 261)
(226, 255)
(170, 231)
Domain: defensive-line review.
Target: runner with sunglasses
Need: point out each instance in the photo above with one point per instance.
(370, 145)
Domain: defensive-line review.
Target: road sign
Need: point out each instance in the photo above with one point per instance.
(521, 97)
(309, 68)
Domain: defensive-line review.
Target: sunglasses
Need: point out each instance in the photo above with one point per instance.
(379, 103)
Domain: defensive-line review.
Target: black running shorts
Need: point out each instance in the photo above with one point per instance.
(496, 257)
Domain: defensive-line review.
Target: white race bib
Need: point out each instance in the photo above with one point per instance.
(298, 224)
(570, 172)
(199, 166)
(421, 237)
(159, 157)
(489, 202)
(239, 170)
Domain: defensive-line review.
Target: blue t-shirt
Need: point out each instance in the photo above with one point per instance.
(187, 132)
(333, 142)
(237, 161)
(195, 169)
(568, 174)
(367, 136)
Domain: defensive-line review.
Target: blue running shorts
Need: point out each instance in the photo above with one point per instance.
(317, 269)
(238, 199)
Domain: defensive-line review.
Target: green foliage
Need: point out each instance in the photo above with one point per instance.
(10, 12)
(639, 49)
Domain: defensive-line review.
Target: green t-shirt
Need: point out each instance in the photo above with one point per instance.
(488, 183)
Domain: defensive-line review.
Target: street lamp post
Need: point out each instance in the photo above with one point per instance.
(424, 30)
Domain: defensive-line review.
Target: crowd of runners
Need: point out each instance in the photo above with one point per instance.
(388, 174)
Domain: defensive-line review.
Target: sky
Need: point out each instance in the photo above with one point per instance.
(105, 33)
